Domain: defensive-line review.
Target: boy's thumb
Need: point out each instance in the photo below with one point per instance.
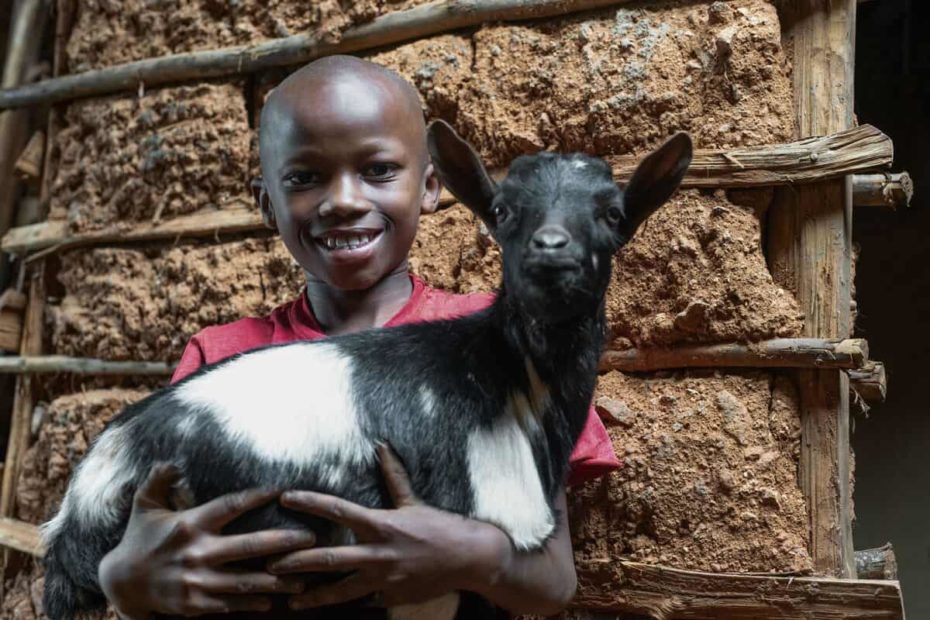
(155, 490)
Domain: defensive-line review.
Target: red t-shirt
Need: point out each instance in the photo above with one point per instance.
(593, 455)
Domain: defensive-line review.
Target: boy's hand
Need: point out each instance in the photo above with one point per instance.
(172, 562)
(407, 555)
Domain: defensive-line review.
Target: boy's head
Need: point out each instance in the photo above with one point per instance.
(345, 170)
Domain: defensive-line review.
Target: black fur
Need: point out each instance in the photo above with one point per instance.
(549, 312)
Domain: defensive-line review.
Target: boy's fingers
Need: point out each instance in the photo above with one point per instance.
(222, 604)
(396, 478)
(155, 490)
(357, 518)
(228, 582)
(219, 512)
(330, 559)
(225, 549)
(349, 589)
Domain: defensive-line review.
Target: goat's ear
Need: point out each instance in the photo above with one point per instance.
(460, 169)
(656, 179)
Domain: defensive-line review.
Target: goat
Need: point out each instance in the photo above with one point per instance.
(501, 394)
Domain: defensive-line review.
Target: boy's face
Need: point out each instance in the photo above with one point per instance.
(346, 177)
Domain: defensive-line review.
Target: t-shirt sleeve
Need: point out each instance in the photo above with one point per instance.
(593, 455)
(192, 359)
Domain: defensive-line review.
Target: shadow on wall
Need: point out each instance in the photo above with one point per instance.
(893, 291)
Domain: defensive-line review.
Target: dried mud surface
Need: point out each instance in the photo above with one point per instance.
(70, 423)
(171, 152)
(612, 82)
(109, 32)
(709, 482)
(145, 304)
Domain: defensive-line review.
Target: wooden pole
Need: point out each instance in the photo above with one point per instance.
(883, 190)
(21, 536)
(809, 250)
(663, 593)
(869, 382)
(20, 424)
(778, 353)
(48, 364)
(399, 26)
(861, 148)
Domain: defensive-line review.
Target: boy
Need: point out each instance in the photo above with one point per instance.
(345, 177)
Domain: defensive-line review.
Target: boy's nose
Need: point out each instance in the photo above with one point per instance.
(344, 196)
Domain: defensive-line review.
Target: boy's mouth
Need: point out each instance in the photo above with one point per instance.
(347, 239)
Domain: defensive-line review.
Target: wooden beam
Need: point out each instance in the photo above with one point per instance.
(778, 353)
(21, 421)
(877, 563)
(809, 250)
(47, 364)
(396, 27)
(664, 593)
(869, 382)
(883, 190)
(21, 536)
(858, 149)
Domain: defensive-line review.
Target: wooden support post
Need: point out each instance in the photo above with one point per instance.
(20, 425)
(809, 245)
(883, 190)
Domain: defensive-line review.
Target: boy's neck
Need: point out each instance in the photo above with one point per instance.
(343, 312)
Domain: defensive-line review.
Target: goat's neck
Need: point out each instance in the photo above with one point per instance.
(565, 354)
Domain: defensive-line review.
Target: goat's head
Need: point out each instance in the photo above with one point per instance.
(558, 218)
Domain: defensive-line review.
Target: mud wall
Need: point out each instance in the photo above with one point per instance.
(710, 458)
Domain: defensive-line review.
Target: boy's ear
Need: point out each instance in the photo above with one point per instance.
(262, 200)
(431, 190)
(460, 169)
(655, 180)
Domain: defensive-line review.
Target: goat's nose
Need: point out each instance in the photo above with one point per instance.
(550, 237)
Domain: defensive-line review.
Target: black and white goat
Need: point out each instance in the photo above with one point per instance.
(483, 410)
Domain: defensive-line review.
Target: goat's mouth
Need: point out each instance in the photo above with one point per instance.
(543, 264)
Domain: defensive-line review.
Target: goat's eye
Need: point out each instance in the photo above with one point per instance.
(499, 213)
(613, 215)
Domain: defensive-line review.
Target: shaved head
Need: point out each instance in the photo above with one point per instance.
(326, 82)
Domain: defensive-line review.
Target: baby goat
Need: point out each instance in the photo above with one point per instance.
(483, 410)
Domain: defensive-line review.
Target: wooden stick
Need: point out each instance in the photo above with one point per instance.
(778, 353)
(883, 190)
(20, 424)
(399, 26)
(863, 147)
(831, 155)
(21, 536)
(45, 364)
(809, 249)
(869, 382)
(663, 593)
(877, 563)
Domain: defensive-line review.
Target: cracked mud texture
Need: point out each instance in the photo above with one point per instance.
(109, 32)
(69, 424)
(709, 482)
(615, 81)
(172, 152)
(144, 304)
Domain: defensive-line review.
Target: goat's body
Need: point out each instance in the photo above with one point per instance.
(309, 415)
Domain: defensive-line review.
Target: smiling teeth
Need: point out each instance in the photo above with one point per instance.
(351, 243)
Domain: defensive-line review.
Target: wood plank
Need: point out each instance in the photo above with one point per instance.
(862, 148)
(397, 27)
(661, 592)
(21, 536)
(47, 364)
(879, 563)
(869, 382)
(778, 353)
(20, 424)
(809, 243)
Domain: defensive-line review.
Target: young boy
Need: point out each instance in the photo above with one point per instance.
(345, 177)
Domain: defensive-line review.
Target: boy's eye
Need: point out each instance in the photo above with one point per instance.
(301, 178)
(379, 170)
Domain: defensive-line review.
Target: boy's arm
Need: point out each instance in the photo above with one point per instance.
(415, 553)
